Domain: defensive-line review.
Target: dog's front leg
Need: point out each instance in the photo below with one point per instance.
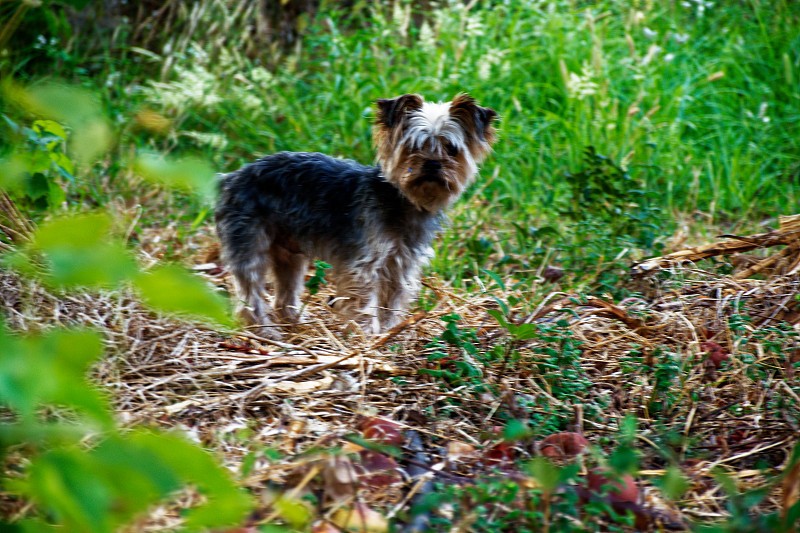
(357, 299)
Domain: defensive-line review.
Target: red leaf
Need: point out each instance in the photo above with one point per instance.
(566, 444)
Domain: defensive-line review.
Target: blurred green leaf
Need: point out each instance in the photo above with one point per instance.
(727, 482)
(503, 306)
(497, 315)
(628, 428)
(91, 139)
(79, 252)
(50, 369)
(293, 511)
(61, 159)
(524, 331)
(100, 489)
(673, 483)
(227, 504)
(172, 289)
(191, 173)
(271, 528)
(49, 126)
(12, 172)
(497, 279)
(624, 459)
(545, 473)
(515, 430)
(76, 107)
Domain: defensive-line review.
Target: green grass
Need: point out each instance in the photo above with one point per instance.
(738, 134)
(709, 123)
(699, 105)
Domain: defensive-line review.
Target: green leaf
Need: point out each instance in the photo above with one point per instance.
(91, 139)
(545, 473)
(515, 431)
(172, 289)
(49, 126)
(624, 459)
(103, 488)
(753, 497)
(50, 370)
(80, 252)
(497, 315)
(497, 279)
(190, 173)
(55, 194)
(12, 172)
(248, 463)
(35, 162)
(227, 504)
(628, 428)
(502, 305)
(673, 483)
(526, 331)
(293, 511)
(793, 515)
(726, 481)
(318, 279)
(37, 187)
(79, 108)
(61, 159)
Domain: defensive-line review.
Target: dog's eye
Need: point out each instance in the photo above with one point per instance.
(451, 149)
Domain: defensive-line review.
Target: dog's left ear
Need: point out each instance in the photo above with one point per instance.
(392, 111)
(476, 119)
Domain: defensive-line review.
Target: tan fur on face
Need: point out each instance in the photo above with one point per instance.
(410, 131)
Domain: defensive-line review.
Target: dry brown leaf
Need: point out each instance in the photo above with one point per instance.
(359, 517)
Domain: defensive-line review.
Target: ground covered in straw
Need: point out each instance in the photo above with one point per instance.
(704, 360)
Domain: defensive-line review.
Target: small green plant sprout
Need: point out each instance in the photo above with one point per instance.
(317, 280)
(461, 366)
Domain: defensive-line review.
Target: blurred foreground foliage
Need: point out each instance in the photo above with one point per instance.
(81, 470)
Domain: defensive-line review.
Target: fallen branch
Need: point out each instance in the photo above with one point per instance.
(787, 233)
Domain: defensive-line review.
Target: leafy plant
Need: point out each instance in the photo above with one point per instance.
(456, 354)
(34, 175)
(82, 472)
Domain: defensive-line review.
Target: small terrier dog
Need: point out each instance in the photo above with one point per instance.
(373, 224)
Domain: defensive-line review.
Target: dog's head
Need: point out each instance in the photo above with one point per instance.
(431, 151)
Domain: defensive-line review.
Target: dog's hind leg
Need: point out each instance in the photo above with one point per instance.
(245, 244)
(249, 276)
(289, 269)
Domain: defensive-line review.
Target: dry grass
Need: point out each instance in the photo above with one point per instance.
(238, 394)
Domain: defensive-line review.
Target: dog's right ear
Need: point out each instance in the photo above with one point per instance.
(391, 111)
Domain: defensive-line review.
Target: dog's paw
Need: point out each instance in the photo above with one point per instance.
(268, 333)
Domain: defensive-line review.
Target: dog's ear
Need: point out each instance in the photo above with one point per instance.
(476, 119)
(392, 110)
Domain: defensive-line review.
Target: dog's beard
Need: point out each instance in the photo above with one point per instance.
(430, 180)
(428, 188)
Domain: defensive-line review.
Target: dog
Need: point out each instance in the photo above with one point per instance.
(373, 224)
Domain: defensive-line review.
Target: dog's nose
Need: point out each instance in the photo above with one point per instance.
(432, 165)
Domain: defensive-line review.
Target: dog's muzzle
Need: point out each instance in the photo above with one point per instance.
(431, 171)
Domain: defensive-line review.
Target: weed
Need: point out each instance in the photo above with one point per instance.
(35, 173)
(317, 280)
